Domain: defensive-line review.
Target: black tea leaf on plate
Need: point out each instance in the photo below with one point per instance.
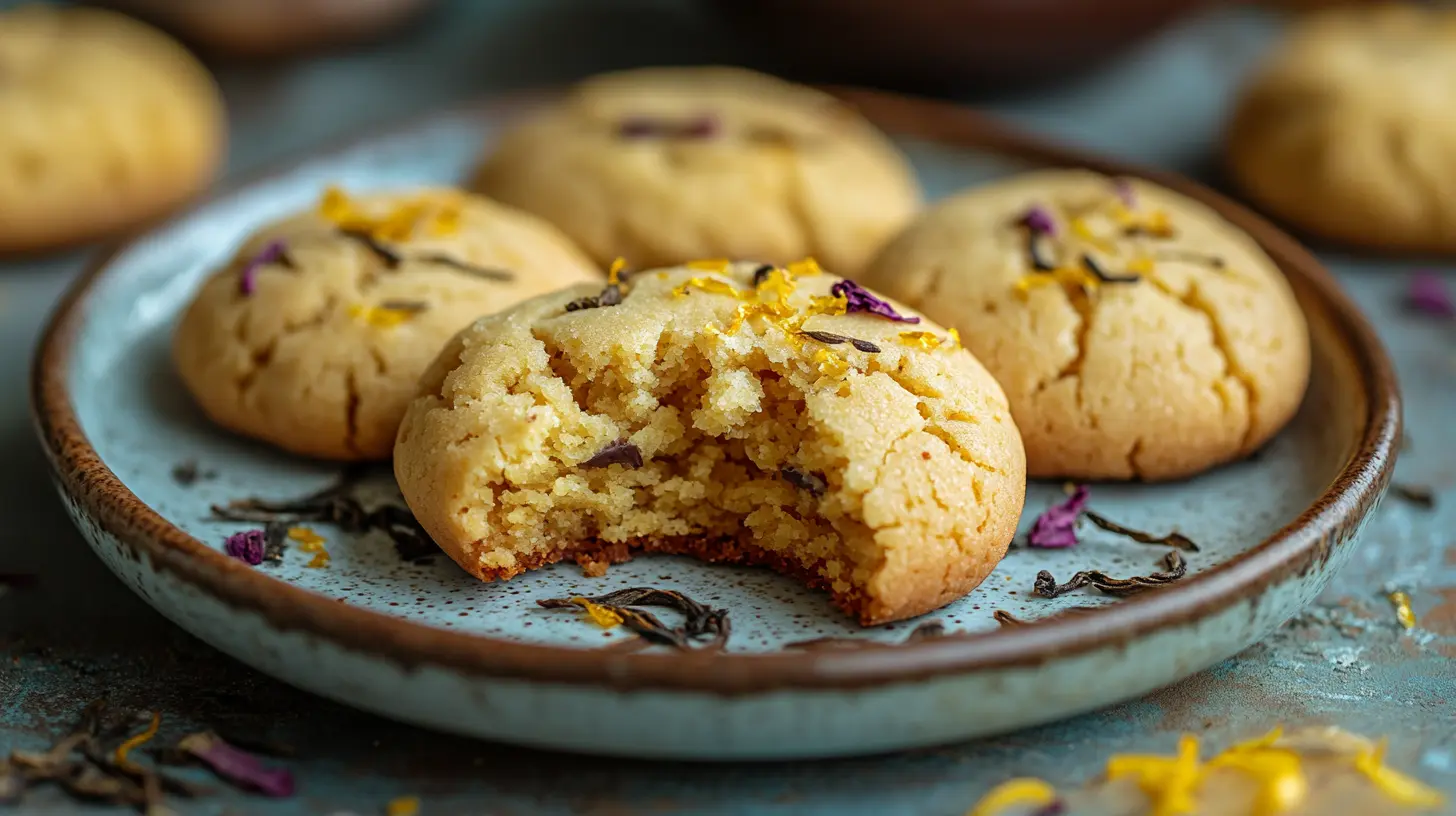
(1174, 568)
(1174, 539)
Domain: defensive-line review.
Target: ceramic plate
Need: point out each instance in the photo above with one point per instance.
(427, 644)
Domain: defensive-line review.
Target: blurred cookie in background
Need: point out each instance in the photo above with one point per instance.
(663, 166)
(1346, 132)
(104, 123)
(256, 28)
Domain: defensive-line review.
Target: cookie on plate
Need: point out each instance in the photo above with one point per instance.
(1344, 132)
(1137, 334)
(104, 123)
(314, 336)
(705, 415)
(664, 165)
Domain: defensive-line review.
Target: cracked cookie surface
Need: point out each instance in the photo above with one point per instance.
(709, 416)
(104, 123)
(1137, 334)
(664, 165)
(1345, 131)
(314, 336)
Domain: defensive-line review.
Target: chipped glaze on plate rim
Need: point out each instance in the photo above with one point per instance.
(1298, 547)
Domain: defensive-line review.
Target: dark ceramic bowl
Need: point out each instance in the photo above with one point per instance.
(940, 43)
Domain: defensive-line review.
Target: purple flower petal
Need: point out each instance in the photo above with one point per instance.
(1125, 193)
(859, 299)
(248, 546)
(1427, 293)
(272, 253)
(1057, 526)
(1039, 219)
(237, 766)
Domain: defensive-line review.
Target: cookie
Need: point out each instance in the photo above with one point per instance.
(314, 336)
(1344, 131)
(706, 416)
(664, 165)
(104, 123)
(257, 28)
(1137, 334)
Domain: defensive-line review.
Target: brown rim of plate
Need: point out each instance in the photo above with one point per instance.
(1300, 546)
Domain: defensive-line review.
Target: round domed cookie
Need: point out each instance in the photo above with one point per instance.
(1344, 131)
(104, 123)
(664, 165)
(730, 412)
(1137, 334)
(314, 336)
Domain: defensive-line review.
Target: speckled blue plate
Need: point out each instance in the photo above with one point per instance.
(428, 644)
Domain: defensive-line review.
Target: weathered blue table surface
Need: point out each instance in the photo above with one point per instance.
(79, 633)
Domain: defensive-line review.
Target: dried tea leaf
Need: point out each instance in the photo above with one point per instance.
(700, 620)
(1007, 619)
(1174, 565)
(831, 339)
(1421, 496)
(1103, 275)
(389, 257)
(805, 480)
(1174, 539)
(620, 452)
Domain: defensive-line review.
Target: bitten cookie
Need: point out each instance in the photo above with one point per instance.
(1138, 335)
(1345, 131)
(664, 165)
(104, 123)
(314, 337)
(709, 416)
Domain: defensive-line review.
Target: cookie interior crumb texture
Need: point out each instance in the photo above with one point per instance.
(104, 123)
(315, 334)
(1191, 352)
(663, 165)
(892, 477)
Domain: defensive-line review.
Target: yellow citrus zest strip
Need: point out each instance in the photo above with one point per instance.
(1403, 611)
(120, 755)
(712, 286)
(1402, 789)
(923, 339)
(1012, 792)
(805, 268)
(955, 338)
(380, 316)
(614, 272)
(439, 216)
(306, 537)
(1088, 236)
(310, 542)
(829, 363)
(600, 615)
(403, 806)
(1281, 780)
(1169, 782)
(717, 265)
